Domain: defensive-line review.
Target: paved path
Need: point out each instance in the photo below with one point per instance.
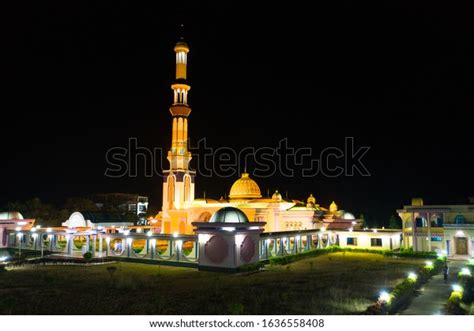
(434, 294)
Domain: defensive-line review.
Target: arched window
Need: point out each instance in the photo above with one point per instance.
(459, 219)
(187, 188)
(171, 184)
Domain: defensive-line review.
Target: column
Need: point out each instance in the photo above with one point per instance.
(100, 245)
(428, 220)
(94, 239)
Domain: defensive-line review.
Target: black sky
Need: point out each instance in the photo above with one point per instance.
(396, 75)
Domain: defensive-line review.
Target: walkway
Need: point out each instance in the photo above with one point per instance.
(434, 294)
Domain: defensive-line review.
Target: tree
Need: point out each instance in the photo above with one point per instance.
(363, 222)
(395, 222)
(78, 204)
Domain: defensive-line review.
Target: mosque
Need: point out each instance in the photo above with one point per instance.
(180, 208)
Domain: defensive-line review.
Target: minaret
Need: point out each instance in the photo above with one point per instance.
(178, 186)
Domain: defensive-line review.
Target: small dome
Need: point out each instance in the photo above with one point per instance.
(245, 188)
(333, 207)
(277, 196)
(229, 215)
(11, 215)
(311, 199)
(348, 216)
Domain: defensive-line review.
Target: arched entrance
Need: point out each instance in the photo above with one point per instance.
(460, 244)
(204, 217)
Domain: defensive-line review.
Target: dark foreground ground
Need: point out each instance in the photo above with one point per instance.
(333, 284)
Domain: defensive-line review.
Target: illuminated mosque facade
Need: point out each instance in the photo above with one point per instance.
(180, 208)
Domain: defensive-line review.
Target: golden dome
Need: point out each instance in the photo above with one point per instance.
(245, 188)
(277, 196)
(333, 207)
(311, 199)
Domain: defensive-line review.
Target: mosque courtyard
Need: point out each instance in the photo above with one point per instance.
(338, 283)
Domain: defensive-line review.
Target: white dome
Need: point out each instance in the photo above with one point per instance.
(229, 215)
(348, 216)
(11, 215)
(76, 220)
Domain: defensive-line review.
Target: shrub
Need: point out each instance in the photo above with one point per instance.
(295, 257)
(468, 296)
(453, 306)
(87, 256)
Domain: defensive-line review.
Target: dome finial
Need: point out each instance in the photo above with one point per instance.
(181, 32)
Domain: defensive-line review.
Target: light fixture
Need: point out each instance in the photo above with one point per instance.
(38, 227)
(175, 234)
(18, 229)
(412, 276)
(465, 272)
(49, 230)
(384, 297)
(228, 229)
(3, 258)
(33, 230)
(457, 288)
(149, 233)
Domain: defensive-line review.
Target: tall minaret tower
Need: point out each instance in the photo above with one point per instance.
(178, 186)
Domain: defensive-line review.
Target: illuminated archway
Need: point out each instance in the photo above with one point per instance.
(204, 217)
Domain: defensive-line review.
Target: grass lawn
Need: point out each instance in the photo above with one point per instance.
(339, 283)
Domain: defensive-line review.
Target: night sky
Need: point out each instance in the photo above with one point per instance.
(395, 75)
